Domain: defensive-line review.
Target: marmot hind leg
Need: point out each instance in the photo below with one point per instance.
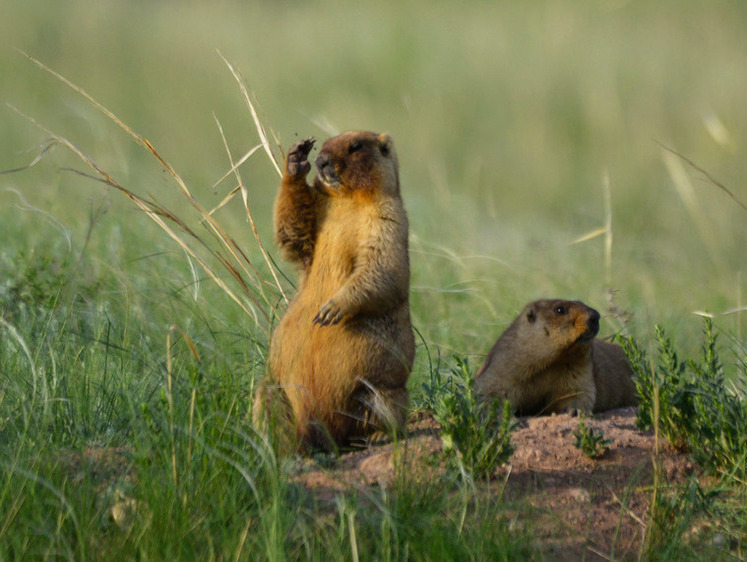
(272, 414)
(382, 412)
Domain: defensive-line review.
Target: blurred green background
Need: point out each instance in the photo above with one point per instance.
(507, 118)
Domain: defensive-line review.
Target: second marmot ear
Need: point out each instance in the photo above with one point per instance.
(385, 143)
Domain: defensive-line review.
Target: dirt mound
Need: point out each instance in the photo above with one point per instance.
(579, 507)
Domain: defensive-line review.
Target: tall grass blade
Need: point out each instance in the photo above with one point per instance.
(22, 343)
(47, 146)
(255, 116)
(245, 197)
(708, 176)
(607, 228)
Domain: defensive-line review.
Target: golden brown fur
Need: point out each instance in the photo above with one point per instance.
(548, 360)
(343, 351)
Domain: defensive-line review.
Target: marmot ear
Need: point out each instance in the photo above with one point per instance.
(531, 316)
(385, 143)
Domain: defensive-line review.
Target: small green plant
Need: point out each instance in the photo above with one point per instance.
(592, 443)
(476, 437)
(695, 406)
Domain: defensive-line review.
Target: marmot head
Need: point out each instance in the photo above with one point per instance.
(558, 325)
(358, 161)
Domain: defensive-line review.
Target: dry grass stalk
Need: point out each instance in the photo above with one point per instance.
(229, 255)
(708, 176)
(255, 117)
(245, 198)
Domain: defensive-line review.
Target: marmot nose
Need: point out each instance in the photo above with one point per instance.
(321, 161)
(593, 321)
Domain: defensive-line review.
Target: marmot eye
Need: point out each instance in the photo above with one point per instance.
(560, 309)
(355, 147)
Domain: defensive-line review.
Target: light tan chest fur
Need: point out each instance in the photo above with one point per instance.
(339, 248)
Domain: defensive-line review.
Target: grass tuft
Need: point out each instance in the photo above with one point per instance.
(476, 436)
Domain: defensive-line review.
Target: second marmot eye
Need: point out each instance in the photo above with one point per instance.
(560, 309)
(355, 147)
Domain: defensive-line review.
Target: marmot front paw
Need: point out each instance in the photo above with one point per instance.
(297, 164)
(329, 314)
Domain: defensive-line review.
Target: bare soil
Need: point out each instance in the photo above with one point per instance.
(578, 508)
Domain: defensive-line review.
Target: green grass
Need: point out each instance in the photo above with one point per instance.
(476, 436)
(506, 118)
(692, 404)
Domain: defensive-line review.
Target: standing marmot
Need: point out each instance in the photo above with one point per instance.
(548, 361)
(343, 351)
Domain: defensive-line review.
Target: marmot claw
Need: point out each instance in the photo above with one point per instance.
(329, 314)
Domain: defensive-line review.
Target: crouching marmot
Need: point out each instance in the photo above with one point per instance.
(341, 355)
(548, 360)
